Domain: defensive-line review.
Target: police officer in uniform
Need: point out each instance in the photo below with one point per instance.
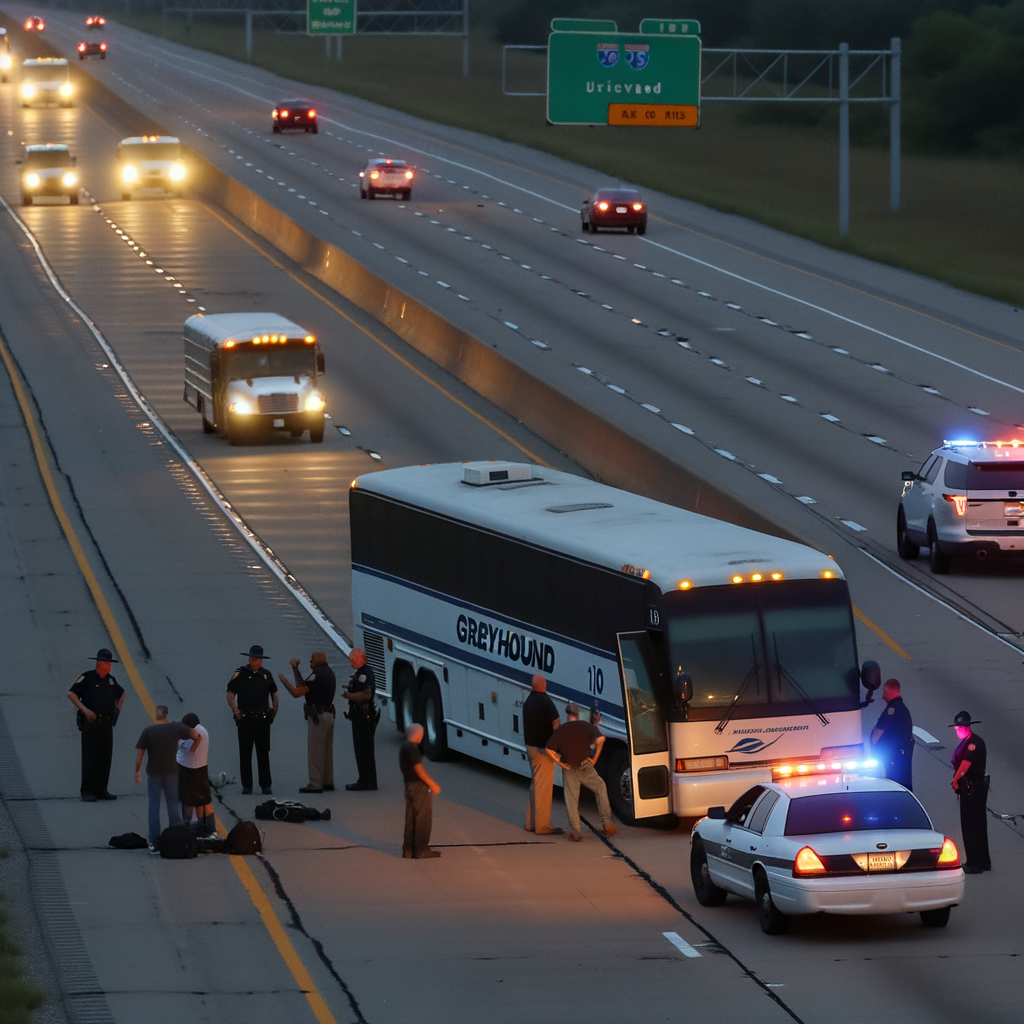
(98, 697)
(364, 715)
(893, 736)
(250, 691)
(970, 783)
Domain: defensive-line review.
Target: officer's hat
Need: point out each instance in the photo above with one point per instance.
(104, 655)
(963, 718)
(255, 652)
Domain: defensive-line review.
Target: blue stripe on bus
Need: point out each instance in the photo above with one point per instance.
(460, 654)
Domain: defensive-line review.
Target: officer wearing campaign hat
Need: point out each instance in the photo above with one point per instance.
(98, 697)
(252, 697)
(970, 783)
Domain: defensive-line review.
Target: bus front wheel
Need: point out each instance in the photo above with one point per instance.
(406, 697)
(619, 781)
(431, 715)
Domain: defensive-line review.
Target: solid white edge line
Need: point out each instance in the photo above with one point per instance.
(682, 945)
(274, 564)
(939, 600)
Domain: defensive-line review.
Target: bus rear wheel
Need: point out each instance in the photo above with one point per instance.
(406, 697)
(431, 715)
(619, 780)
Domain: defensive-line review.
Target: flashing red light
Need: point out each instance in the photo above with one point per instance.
(959, 502)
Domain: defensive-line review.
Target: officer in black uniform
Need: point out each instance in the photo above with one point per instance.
(250, 691)
(364, 715)
(970, 783)
(98, 697)
(893, 736)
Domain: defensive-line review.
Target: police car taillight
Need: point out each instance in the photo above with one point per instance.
(808, 864)
(949, 855)
(959, 502)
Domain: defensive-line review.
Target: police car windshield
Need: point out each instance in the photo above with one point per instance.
(995, 476)
(50, 158)
(151, 151)
(854, 812)
(765, 649)
(273, 361)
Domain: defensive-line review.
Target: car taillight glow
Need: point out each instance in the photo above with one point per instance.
(28, 25)
(638, 207)
(103, 46)
(949, 855)
(284, 113)
(311, 113)
(81, 47)
(959, 503)
(374, 174)
(807, 862)
(408, 175)
(602, 206)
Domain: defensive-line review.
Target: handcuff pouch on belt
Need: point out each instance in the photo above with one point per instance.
(81, 721)
(363, 710)
(314, 711)
(265, 715)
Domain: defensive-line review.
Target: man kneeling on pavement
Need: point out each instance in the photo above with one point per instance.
(575, 748)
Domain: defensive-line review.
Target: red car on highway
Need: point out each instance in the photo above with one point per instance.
(615, 208)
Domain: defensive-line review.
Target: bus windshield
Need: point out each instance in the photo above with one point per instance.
(780, 648)
(247, 361)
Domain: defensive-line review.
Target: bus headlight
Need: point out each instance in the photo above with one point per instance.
(241, 406)
(32, 180)
(65, 89)
(128, 173)
(69, 180)
(177, 172)
(28, 91)
(315, 402)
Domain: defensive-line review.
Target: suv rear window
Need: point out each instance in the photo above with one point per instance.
(955, 476)
(854, 812)
(995, 476)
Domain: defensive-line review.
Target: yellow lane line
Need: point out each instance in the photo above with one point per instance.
(373, 337)
(881, 634)
(248, 879)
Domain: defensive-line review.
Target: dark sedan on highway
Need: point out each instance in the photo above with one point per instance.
(615, 208)
(299, 115)
(92, 49)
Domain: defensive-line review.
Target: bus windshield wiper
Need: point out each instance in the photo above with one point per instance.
(784, 673)
(751, 675)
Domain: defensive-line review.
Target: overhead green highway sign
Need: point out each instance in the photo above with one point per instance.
(623, 78)
(333, 18)
(582, 25)
(669, 27)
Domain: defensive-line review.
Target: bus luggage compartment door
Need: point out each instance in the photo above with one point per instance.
(648, 733)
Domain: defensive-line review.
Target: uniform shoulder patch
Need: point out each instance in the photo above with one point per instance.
(235, 675)
(971, 746)
(79, 680)
(891, 711)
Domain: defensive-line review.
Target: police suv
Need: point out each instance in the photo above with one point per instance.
(965, 500)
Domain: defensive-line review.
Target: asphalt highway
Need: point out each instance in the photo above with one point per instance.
(502, 926)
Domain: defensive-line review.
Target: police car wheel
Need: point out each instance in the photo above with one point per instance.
(907, 549)
(938, 561)
(771, 919)
(708, 894)
(935, 918)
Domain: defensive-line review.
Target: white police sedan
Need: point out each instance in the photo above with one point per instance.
(826, 843)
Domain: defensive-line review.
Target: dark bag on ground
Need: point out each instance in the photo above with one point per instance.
(290, 810)
(179, 843)
(243, 839)
(128, 841)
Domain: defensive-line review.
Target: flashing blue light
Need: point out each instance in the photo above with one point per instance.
(960, 444)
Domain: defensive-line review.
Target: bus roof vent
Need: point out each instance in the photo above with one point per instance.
(479, 474)
(582, 507)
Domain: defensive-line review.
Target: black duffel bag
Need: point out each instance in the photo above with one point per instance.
(179, 843)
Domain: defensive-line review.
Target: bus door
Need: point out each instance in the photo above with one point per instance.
(645, 721)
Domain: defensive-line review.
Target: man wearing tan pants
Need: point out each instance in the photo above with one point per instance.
(540, 720)
(318, 689)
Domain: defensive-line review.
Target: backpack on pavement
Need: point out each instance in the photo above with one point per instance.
(290, 810)
(179, 843)
(243, 839)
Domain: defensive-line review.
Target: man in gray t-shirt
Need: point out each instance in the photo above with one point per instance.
(161, 742)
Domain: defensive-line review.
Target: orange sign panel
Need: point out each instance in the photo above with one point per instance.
(654, 114)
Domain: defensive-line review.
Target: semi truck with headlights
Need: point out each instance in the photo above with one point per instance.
(46, 80)
(251, 373)
(150, 161)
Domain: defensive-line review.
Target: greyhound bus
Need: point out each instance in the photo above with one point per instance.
(717, 657)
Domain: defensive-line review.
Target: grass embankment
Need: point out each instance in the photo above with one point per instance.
(962, 219)
(18, 998)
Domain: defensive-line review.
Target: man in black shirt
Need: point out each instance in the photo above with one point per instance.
(318, 689)
(540, 720)
(98, 697)
(893, 736)
(363, 714)
(250, 690)
(161, 742)
(420, 790)
(970, 783)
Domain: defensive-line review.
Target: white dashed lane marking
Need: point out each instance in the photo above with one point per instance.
(682, 945)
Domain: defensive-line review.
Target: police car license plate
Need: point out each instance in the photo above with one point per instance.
(278, 423)
(881, 862)
(620, 209)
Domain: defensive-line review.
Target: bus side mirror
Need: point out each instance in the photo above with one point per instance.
(871, 679)
(908, 476)
(682, 688)
(321, 363)
(716, 813)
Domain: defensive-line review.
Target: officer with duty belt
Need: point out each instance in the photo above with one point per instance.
(250, 690)
(98, 696)
(970, 783)
(318, 689)
(893, 736)
(364, 716)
